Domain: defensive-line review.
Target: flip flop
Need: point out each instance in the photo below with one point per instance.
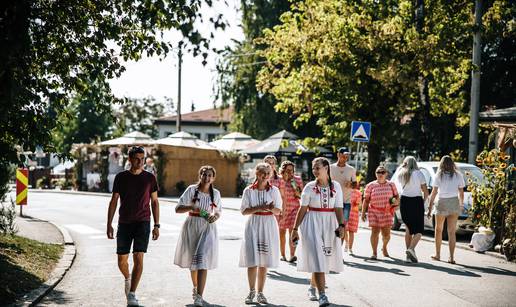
(283, 258)
(385, 253)
(293, 259)
(435, 258)
(451, 261)
(373, 257)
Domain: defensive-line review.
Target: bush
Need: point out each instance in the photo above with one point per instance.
(7, 218)
(494, 199)
(43, 183)
(6, 174)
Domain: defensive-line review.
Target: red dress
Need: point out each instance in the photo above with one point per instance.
(352, 224)
(291, 199)
(378, 213)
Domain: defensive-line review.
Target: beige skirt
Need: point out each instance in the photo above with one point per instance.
(447, 206)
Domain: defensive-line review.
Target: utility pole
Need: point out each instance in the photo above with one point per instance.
(475, 84)
(424, 96)
(178, 118)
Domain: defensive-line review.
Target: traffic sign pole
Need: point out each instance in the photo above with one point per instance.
(22, 183)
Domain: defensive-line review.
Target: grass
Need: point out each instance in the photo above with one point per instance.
(24, 265)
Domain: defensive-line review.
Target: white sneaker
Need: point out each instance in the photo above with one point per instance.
(127, 285)
(250, 297)
(351, 252)
(323, 300)
(261, 299)
(345, 249)
(311, 294)
(198, 301)
(411, 254)
(131, 299)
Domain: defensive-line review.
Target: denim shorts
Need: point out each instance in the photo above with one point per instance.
(347, 210)
(137, 232)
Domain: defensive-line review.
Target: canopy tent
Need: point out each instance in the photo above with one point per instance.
(133, 138)
(284, 143)
(184, 139)
(234, 141)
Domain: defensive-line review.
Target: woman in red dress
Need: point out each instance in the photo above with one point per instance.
(381, 196)
(291, 187)
(352, 225)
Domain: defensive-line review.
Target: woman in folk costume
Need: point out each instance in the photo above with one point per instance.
(274, 178)
(260, 246)
(197, 247)
(290, 190)
(321, 228)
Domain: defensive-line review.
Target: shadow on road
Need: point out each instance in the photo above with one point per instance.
(375, 268)
(429, 266)
(56, 297)
(489, 270)
(283, 277)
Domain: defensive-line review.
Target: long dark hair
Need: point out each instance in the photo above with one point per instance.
(202, 170)
(446, 166)
(324, 162)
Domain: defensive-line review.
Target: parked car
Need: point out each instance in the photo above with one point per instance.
(429, 169)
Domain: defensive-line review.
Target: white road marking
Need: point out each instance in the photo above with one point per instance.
(83, 229)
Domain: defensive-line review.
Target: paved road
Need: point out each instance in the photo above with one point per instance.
(94, 280)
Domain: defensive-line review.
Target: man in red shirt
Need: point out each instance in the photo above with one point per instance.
(135, 188)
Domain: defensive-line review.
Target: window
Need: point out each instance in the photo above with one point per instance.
(197, 135)
(212, 136)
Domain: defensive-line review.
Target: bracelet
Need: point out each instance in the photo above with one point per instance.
(156, 225)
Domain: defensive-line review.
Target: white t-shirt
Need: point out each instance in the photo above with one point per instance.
(342, 175)
(413, 187)
(448, 185)
(317, 197)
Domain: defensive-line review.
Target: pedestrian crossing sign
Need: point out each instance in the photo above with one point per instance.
(360, 131)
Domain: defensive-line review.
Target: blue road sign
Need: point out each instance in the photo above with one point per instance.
(360, 131)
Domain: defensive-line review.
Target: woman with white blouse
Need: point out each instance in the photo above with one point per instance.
(448, 186)
(260, 246)
(414, 194)
(198, 245)
(321, 228)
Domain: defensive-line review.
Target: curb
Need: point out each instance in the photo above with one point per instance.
(457, 245)
(65, 263)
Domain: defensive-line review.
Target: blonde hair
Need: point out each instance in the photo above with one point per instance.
(409, 165)
(271, 157)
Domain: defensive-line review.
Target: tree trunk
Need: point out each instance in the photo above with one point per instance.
(373, 160)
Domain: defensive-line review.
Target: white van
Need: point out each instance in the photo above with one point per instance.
(429, 169)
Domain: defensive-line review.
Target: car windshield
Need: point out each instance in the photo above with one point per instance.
(468, 172)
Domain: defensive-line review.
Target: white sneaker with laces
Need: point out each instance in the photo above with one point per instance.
(198, 301)
(194, 293)
(127, 285)
(131, 299)
(250, 297)
(311, 294)
(323, 300)
(261, 299)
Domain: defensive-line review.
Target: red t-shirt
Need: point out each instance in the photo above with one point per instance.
(135, 194)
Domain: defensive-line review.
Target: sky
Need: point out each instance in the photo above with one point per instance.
(152, 77)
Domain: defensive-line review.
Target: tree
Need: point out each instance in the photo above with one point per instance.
(139, 115)
(82, 121)
(254, 110)
(52, 50)
(338, 61)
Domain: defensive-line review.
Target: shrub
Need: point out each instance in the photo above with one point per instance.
(7, 218)
(181, 187)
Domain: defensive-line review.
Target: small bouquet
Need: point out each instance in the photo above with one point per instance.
(204, 214)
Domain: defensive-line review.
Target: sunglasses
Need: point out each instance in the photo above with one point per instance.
(381, 172)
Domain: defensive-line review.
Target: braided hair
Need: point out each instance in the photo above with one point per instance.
(324, 162)
(202, 170)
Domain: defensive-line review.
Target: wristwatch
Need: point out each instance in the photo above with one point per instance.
(156, 225)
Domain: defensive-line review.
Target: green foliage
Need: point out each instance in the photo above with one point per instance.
(7, 173)
(43, 183)
(83, 121)
(7, 218)
(181, 187)
(336, 61)
(494, 196)
(56, 49)
(254, 110)
(139, 115)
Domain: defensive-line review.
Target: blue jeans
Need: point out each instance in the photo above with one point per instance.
(347, 210)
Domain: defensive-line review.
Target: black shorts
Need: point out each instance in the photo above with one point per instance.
(413, 213)
(138, 232)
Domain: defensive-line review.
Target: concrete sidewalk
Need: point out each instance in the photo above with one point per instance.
(39, 230)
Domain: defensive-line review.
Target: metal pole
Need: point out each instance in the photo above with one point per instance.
(356, 156)
(475, 84)
(178, 119)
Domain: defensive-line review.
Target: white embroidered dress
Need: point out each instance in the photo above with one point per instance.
(198, 244)
(320, 250)
(260, 245)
